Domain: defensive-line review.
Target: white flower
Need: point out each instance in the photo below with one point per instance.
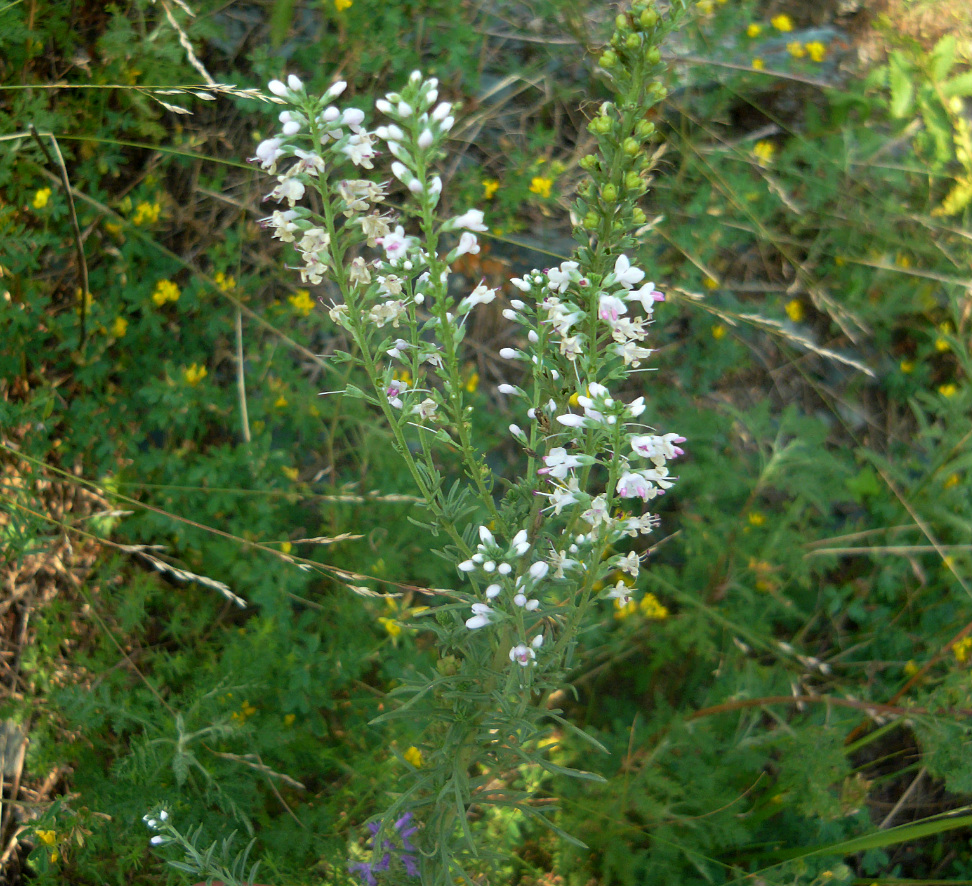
(538, 570)
(481, 295)
(289, 189)
(352, 118)
(597, 513)
(558, 279)
(557, 463)
(425, 138)
(610, 307)
(493, 591)
(572, 421)
(481, 616)
(630, 564)
(426, 409)
(626, 274)
(471, 220)
(278, 88)
(268, 152)
(360, 150)
(293, 81)
(387, 312)
(620, 592)
(562, 496)
(311, 163)
(468, 245)
(647, 295)
(631, 353)
(523, 655)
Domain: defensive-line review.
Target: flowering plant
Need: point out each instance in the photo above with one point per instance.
(535, 565)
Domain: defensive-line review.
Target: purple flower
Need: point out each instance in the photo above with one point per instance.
(391, 854)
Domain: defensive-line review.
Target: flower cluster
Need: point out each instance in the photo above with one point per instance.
(397, 854)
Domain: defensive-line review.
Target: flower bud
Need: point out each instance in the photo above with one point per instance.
(645, 129)
(609, 193)
(638, 216)
(633, 182)
(631, 147)
(621, 23)
(588, 162)
(648, 18)
(608, 59)
(653, 56)
(632, 41)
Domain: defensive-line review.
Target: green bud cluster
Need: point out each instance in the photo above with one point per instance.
(620, 168)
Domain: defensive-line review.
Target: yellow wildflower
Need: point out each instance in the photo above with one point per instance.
(224, 283)
(796, 49)
(763, 151)
(952, 480)
(541, 186)
(910, 668)
(902, 260)
(165, 291)
(623, 611)
(710, 283)
(119, 327)
(301, 302)
(341, 5)
(472, 383)
(840, 261)
(286, 547)
(756, 518)
(651, 608)
(289, 719)
(758, 64)
(39, 202)
(194, 374)
(48, 838)
(794, 310)
(393, 628)
(907, 366)
(280, 402)
(941, 343)
(402, 375)
(290, 474)
(146, 213)
(754, 29)
(961, 649)
(244, 713)
(718, 331)
(782, 23)
(948, 390)
(816, 50)
(414, 756)
(490, 187)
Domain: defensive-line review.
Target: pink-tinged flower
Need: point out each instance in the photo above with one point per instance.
(610, 307)
(634, 485)
(557, 463)
(647, 295)
(481, 617)
(626, 274)
(395, 387)
(656, 448)
(523, 655)
(395, 244)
